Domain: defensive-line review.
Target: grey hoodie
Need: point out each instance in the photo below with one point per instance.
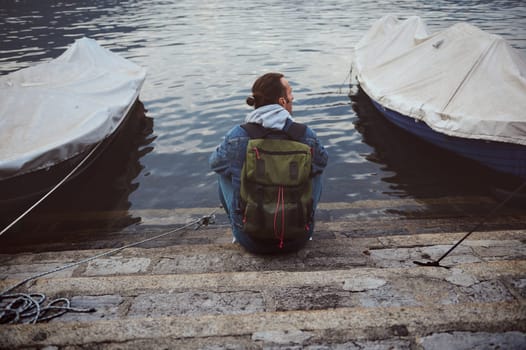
(269, 116)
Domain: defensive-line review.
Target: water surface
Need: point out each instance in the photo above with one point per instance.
(202, 58)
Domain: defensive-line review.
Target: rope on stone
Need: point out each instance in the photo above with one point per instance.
(27, 308)
(436, 263)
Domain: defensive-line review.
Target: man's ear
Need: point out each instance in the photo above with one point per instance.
(283, 101)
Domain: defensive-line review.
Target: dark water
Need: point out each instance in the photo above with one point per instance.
(202, 58)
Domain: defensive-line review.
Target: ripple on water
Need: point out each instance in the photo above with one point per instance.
(202, 58)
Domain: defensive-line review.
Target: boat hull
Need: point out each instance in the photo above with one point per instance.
(503, 157)
(28, 188)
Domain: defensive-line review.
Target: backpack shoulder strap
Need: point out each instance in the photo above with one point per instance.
(296, 131)
(256, 131)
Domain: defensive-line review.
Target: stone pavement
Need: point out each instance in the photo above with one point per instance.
(354, 287)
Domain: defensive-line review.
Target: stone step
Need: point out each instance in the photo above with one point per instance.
(322, 254)
(390, 327)
(131, 296)
(363, 218)
(361, 212)
(439, 206)
(341, 291)
(488, 266)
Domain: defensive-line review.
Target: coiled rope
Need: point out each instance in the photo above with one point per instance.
(27, 308)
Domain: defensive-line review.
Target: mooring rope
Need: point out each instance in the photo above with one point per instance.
(74, 170)
(26, 308)
(60, 183)
(436, 263)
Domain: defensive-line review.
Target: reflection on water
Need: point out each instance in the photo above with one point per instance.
(202, 58)
(417, 169)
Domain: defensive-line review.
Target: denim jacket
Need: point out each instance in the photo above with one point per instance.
(229, 157)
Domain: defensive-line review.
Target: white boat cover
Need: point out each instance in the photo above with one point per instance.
(56, 110)
(461, 81)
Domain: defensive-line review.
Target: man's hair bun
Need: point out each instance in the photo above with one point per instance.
(267, 90)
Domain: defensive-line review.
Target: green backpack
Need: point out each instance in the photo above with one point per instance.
(276, 186)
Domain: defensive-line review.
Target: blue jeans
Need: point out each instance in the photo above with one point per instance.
(226, 196)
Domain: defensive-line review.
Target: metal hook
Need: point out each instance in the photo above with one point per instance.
(430, 263)
(206, 220)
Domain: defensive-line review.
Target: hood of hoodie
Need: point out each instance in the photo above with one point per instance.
(269, 116)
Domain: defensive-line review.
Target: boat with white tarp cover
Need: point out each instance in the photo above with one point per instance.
(52, 115)
(461, 88)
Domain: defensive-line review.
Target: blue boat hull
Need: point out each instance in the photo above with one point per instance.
(503, 157)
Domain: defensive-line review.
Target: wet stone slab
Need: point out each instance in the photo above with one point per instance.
(106, 308)
(371, 289)
(193, 263)
(387, 296)
(405, 257)
(322, 298)
(238, 261)
(474, 341)
(520, 286)
(487, 291)
(301, 340)
(117, 266)
(309, 298)
(208, 343)
(196, 303)
(501, 250)
(30, 270)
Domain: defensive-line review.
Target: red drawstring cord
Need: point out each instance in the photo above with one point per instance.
(282, 217)
(280, 202)
(255, 149)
